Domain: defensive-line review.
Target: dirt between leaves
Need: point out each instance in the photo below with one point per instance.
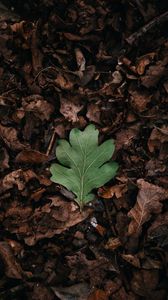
(67, 64)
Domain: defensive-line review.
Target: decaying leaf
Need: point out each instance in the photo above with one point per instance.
(93, 113)
(158, 141)
(9, 136)
(116, 190)
(83, 163)
(69, 109)
(12, 267)
(31, 156)
(37, 105)
(148, 203)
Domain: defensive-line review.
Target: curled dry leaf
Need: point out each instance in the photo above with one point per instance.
(4, 159)
(19, 178)
(70, 108)
(116, 190)
(37, 105)
(31, 156)
(12, 267)
(154, 74)
(63, 81)
(80, 59)
(125, 137)
(93, 112)
(158, 141)
(139, 100)
(148, 203)
(143, 62)
(9, 136)
(131, 259)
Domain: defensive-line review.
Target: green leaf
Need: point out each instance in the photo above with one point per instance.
(83, 166)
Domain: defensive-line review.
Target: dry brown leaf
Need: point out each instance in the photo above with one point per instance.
(4, 159)
(93, 113)
(115, 190)
(80, 59)
(79, 291)
(53, 218)
(148, 203)
(9, 136)
(139, 100)
(125, 137)
(158, 141)
(113, 244)
(23, 28)
(154, 74)
(31, 156)
(69, 109)
(37, 105)
(63, 81)
(143, 62)
(12, 267)
(131, 259)
(98, 295)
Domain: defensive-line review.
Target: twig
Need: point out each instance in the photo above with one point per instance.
(154, 22)
(51, 143)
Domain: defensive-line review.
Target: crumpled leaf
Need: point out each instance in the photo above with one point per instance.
(158, 231)
(9, 136)
(158, 141)
(117, 190)
(37, 105)
(84, 166)
(70, 108)
(148, 203)
(93, 112)
(12, 267)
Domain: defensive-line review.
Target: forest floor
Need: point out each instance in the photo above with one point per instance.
(66, 64)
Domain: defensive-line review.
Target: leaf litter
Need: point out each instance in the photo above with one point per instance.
(66, 65)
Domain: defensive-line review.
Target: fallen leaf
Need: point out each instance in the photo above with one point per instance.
(4, 159)
(80, 59)
(143, 62)
(83, 268)
(69, 109)
(63, 81)
(98, 295)
(131, 259)
(79, 291)
(158, 231)
(139, 99)
(38, 106)
(12, 267)
(115, 190)
(113, 244)
(148, 203)
(144, 282)
(158, 141)
(93, 113)
(31, 156)
(154, 74)
(9, 136)
(53, 218)
(125, 137)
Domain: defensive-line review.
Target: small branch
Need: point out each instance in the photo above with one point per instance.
(143, 30)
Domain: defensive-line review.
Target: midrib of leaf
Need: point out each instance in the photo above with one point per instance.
(83, 168)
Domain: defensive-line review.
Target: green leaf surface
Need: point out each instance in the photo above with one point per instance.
(84, 163)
